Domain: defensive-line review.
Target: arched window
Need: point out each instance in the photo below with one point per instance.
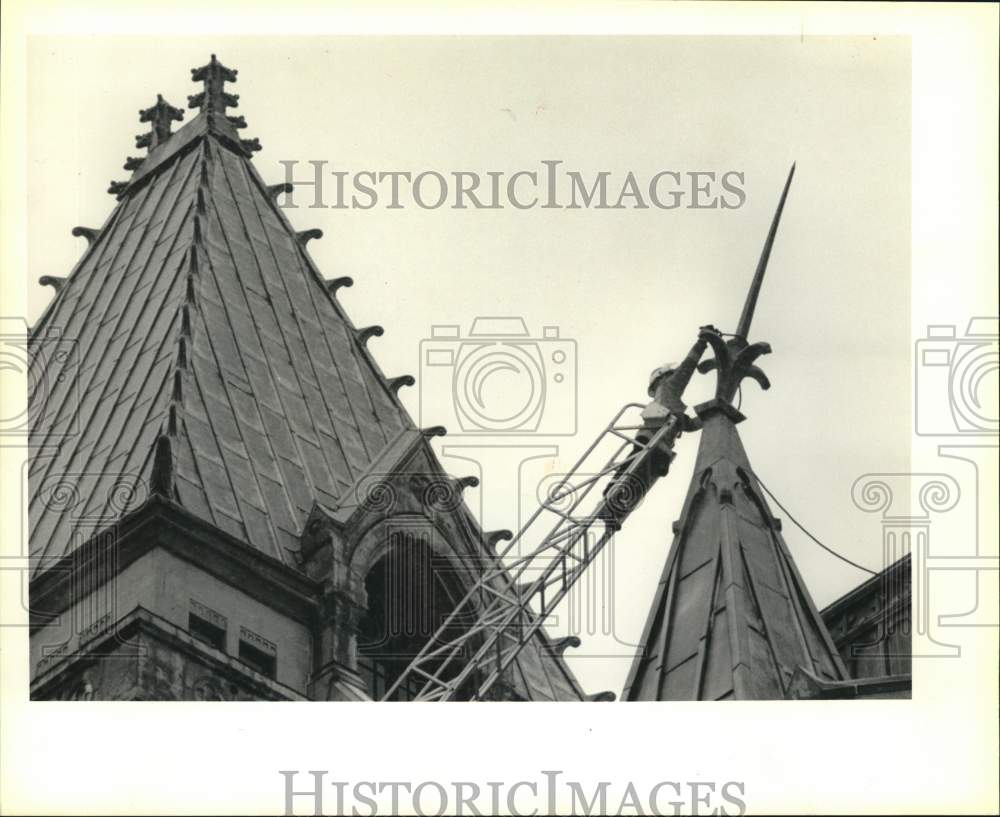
(411, 591)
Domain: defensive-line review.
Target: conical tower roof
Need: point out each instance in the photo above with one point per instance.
(731, 618)
(198, 320)
(195, 353)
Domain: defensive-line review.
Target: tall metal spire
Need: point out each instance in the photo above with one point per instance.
(758, 277)
(735, 358)
(732, 618)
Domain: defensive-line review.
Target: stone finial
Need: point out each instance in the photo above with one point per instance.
(275, 190)
(461, 483)
(396, 383)
(368, 332)
(251, 145)
(86, 232)
(55, 281)
(494, 537)
(333, 284)
(303, 237)
(559, 647)
(160, 115)
(213, 97)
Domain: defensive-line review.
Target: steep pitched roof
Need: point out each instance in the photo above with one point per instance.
(732, 618)
(197, 314)
(209, 361)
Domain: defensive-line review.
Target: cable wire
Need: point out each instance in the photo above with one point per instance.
(801, 527)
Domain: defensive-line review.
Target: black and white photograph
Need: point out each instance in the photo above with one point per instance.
(646, 357)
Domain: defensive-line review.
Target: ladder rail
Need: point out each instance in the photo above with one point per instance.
(497, 616)
(432, 649)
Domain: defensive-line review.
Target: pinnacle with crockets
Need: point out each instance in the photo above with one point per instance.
(500, 603)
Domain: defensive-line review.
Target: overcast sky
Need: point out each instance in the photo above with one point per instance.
(629, 286)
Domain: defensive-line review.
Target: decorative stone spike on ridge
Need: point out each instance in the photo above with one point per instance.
(86, 232)
(336, 283)
(494, 537)
(396, 383)
(461, 483)
(251, 145)
(54, 281)
(563, 644)
(159, 115)
(368, 332)
(275, 190)
(213, 97)
(117, 188)
(303, 237)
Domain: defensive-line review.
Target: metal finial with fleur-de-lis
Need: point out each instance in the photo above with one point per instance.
(735, 358)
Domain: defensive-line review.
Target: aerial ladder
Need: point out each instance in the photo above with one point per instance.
(514, 595)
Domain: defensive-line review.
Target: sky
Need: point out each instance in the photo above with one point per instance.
(626, 288)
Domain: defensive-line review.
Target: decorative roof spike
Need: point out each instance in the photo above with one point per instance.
(117, 188)
(275, 190)
(133, 163)
(396, 383)
(86, 232)
(251, 145)
(494, 537)
(334, 284)
(461, 483)
(213, 98)
(368, 332)
(303, 237)
(238, 122)
(55, 281)
(159, 115)
(563, 644)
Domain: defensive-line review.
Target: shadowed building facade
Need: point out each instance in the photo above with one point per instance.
(227, 498)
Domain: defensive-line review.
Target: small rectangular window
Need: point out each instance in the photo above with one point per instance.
(206, 625)
(258, 653)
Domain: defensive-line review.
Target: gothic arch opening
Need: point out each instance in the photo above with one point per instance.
(411, 590)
